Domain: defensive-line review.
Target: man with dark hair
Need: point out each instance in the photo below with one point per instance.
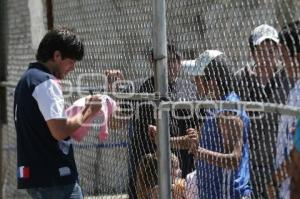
(263, 43)
(264, 81)
(45, 159)
(290, 48)
(145, 118)
(255, 80)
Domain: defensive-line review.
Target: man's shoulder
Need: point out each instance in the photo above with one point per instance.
(147, 86)
(244, 72)
(180, 82)
(232, 97)
(36, 76)
(295, 91)
(183, 84)
(297, 84)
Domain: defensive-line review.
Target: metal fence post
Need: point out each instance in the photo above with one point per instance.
(49, 10)
(3, 72)
(161, 87)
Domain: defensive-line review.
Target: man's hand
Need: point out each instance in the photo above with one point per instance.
(63, 128)
(154, 192)
(271, 192)
(295, 166)
(112, 77)
(152, 132)
(93, 105)
(292, 130)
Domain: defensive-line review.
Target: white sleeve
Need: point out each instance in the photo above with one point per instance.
(50, 100)
(191, 185)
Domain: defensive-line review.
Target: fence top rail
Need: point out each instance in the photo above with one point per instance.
(171, 105)
(85, 91)
(8, 84)
(239, 105)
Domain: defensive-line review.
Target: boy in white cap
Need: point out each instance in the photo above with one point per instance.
(223, 151)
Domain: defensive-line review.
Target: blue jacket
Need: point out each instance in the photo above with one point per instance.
(42, 161)
(215, 182)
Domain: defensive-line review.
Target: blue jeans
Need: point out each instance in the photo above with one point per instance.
(71, 191)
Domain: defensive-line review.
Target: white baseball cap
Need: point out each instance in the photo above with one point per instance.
(263, 32)
(196, 67)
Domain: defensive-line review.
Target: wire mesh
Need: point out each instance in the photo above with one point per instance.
(118, 41)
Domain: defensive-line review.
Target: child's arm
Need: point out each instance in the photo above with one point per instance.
(227, 161)
(179, 142)
(231, 128)
(185, 142)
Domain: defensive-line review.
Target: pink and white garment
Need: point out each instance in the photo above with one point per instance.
(108, 108)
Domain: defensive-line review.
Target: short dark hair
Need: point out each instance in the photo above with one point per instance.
(289, 36)
(219, 70)
(171, 51)
(65, 41)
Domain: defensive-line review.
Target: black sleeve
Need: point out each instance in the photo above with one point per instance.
(144, 115)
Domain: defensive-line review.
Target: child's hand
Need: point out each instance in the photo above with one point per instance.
(193, 138)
